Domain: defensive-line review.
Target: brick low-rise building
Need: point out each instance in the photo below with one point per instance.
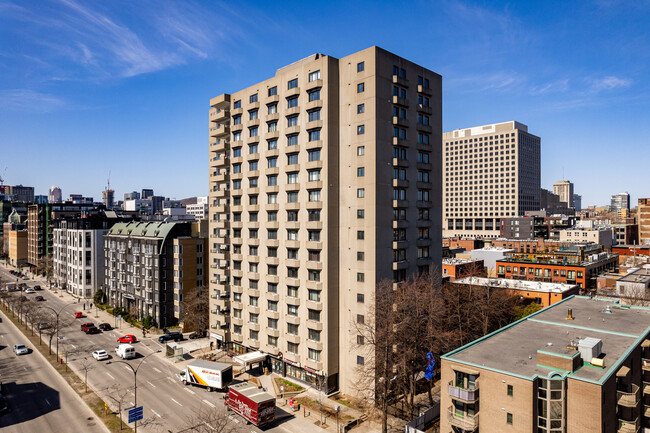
(577, 264)
(544, 294)
(581, 365)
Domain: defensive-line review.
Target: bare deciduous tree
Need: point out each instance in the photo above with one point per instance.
(211, 420)
(195, 309)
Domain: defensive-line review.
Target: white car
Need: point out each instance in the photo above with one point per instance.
(20, 349)
(100, 355)
(30, 290)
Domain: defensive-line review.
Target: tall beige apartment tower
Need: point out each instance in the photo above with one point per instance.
(324, 180)
(489, 172)
(564, 189)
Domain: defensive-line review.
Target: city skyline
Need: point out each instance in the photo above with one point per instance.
(122, 87)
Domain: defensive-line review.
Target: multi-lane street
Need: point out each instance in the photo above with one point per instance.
(39, 399)
(168, 404)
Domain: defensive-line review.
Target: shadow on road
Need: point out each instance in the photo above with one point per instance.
(28, 401)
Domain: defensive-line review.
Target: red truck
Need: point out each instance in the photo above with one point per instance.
(253, 404)
(89, 328)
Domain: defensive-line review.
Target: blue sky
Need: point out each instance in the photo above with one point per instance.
(122, 86)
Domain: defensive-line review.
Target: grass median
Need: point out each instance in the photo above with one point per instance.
(96, 404)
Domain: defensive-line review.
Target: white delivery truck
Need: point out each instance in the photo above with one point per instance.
(209, 374)
(125, 351)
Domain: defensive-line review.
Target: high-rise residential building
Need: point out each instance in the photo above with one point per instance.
(198, 210)
(620, 202)
(147, 268)
(55, 194)
(147, 193)
(324, 180)
(489, 172)
(580, 365)
(22, 193)
(564, 189)
(643, 220)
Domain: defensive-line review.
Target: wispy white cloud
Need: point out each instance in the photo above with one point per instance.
(478, 83)
(138, 38)
(609, 83)
(558, 86)
(28, 100)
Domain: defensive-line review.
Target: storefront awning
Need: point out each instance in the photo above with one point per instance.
(249, 358)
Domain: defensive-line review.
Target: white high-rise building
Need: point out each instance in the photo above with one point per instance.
(489, 172)
(564, 189)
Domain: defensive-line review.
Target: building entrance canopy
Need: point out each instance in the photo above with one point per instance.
(249, 358)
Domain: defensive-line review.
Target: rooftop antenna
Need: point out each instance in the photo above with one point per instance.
(4, 172)
(109, 180)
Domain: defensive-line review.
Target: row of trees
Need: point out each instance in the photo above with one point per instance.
(413, 318)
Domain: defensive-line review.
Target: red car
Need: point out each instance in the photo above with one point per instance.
(78, 315)
(127, 339)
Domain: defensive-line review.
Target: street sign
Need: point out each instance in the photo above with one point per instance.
(135, 414)
(119, 317)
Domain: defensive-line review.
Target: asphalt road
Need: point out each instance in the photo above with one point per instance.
(168, 404)
(39, 399)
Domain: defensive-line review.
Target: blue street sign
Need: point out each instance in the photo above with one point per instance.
(135, 414)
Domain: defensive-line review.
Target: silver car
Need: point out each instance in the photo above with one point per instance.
(20, 349)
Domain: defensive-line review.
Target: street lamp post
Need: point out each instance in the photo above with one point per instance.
(135, 383)
(57, 314)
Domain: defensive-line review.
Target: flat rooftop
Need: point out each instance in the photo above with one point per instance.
(639, 276)
(513, 349)
(529, 286)
(459, 261)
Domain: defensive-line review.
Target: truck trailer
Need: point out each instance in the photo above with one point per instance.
(209, 374)
(253, 404)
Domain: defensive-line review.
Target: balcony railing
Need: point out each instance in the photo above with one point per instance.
(625, 426)
(466, 394)
(628, 399)
(462, 420)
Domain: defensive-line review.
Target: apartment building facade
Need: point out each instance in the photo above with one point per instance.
(191, 277)
(78, 254)
(40, 225)
(490, 172)
(139, 268)
(580, 365)
(322, 183)
(643, 220)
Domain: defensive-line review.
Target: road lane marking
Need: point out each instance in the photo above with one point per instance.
(157, 414)
(189, 390)
(173, 381)
(211, 428)
(132, 404)
(208, 403)
(73, 346)
(177, 402)
(157, 371)
(109, 375)
(128, 368)
(151, 384)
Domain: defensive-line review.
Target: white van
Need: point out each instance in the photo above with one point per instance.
(125, 351)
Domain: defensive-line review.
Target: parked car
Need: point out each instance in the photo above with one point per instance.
(105, 326)
(22, 286)
(78, 315)
(37, 287)
(100, 355)
(30, 290)
(175, 336)
(196, 334)
(20, 349)
(39, 298)
(127, 339)
(89, 328)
